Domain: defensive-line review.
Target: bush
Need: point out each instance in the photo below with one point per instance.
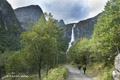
(60, 73)
(108, 75)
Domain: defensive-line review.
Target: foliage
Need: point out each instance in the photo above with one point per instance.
(81, 52)
(3, 59)
(30, 77)
(107, 76)
(104, 44)
(106, 34)
(16, 63)
(60, 73)
(8, 40)
(43, 45)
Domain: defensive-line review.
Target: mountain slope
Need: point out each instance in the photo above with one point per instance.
(83, 28)
(10, 27)
(8, 19)
(28, 15)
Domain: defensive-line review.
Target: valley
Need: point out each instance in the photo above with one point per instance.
(35, 44)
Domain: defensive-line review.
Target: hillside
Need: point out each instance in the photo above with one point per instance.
(28, 15)
(10, 27)
(83, 28)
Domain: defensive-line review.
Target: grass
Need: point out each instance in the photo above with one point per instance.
(59, 73)
(33, 77)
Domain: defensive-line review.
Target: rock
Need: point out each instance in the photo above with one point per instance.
(117, 62)
(8, 20)
(116, 73)
(60, 23)
(28, 15)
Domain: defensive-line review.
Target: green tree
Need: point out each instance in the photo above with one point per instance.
(106, 34)
(3, 59)
(16, 63)
(41, 44)
(79, 52)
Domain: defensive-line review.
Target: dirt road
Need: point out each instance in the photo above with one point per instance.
(75, 74)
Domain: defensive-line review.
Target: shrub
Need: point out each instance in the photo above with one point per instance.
(60, 73)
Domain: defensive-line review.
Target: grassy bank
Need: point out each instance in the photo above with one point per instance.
(59, 73)
(100, 71)
(32, 77)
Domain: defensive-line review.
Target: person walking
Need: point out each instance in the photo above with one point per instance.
(84, 68)
(79, 67)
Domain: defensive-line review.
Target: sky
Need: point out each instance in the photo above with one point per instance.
(71, 11)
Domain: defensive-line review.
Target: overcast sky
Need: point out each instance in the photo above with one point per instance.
(68, 10)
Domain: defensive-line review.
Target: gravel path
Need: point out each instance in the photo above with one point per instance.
(75, 74)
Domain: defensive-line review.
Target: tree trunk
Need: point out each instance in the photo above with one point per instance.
(46, 70)
(57, 60)
(39, 73)
(39, 69)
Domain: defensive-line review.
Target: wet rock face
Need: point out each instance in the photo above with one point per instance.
(28, 15)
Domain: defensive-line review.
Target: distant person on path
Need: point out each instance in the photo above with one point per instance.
(84, 69)
(79, 67)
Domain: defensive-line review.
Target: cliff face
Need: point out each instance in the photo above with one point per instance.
(8, 20)
(60, 23)
(10, 28)
(83, 28)
(28, 15)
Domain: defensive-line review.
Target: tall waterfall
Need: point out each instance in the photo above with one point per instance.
(72, 39)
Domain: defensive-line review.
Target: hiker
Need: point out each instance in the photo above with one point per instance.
(79, 67)
(84, 69)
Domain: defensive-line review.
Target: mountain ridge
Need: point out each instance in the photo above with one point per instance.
(84, 28)
(28, 15)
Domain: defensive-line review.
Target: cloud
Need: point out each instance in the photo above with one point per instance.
(68, 10)
(96, 6)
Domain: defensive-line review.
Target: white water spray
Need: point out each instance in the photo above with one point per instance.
(72, 39)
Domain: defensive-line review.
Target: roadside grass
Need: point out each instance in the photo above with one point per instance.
(59, 73)
(32, 77)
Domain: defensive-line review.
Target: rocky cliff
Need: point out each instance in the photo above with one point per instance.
(10, 28)
(83, 28)
(60, 23)
(8, 20)
(28, 15)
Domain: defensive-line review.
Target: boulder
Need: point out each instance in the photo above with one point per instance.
(117, 62)
(116, 73)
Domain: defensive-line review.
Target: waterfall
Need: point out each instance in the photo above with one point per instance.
(72, 39)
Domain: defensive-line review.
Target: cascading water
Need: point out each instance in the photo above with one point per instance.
(72, 39)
